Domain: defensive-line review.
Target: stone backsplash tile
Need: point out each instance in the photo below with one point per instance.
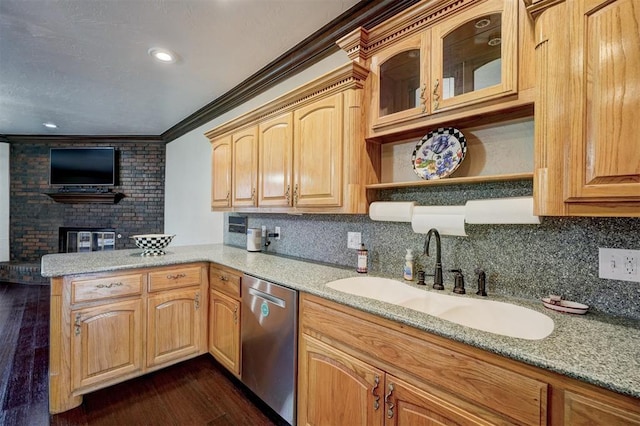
(559, 256)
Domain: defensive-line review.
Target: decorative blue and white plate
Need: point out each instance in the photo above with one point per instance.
(439, 153)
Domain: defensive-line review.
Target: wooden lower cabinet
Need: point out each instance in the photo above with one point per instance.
(106, 328)
(335, 388)
(356, 369)
(338, 389)
(106, 343)
(176, 320)
(224, 330)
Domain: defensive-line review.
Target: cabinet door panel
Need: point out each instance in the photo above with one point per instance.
(605, 152)
(174, 326)
(337, 389)
(463, 50)
(221, 173)
(318, 153)
(398, 81)
(410, 406)
(276, 161)
(224, 330)
(580, 410)
(106, 343)
(245, 167)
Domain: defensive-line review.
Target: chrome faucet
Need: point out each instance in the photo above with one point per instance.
(437, 273)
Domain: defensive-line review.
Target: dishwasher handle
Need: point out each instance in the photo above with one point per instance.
(268, 297)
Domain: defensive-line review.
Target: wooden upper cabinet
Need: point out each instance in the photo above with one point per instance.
(318, 153)
(474, 55)
(399, 80)
(587, 155)
(221, 172)
(604, 150)
(304, 151)
(435, 63)
(244, 168)
(275, 142)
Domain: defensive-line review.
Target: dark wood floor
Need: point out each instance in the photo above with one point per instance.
(194, 392)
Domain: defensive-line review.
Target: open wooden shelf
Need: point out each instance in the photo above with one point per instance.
(86, 197)
(454, 181)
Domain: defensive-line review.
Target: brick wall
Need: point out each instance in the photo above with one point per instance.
(35, 218)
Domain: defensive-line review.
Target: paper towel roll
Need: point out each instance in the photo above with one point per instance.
(448, 220)
(515, 210)
(391, 211)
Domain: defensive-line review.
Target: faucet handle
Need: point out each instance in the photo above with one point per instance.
(458, 287)
(482, 282)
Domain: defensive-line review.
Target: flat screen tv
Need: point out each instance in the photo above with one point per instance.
(82, 166)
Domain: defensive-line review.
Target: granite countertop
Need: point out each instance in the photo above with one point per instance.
(595, 348)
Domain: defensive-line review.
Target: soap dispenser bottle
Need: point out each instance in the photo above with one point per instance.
(408, 266)
(363, 260)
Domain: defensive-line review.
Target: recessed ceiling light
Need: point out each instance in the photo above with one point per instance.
(50, 125)
(162, 55)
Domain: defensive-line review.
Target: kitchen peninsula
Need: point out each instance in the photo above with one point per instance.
(585, 355)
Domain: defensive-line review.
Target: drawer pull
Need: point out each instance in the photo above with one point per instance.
(176, 276)
(376, 402)
(76, 325)
(387, 400)
(224, 278)
(110, 285)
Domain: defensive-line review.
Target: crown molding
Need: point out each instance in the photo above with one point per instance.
(78, 139)
(367, 13)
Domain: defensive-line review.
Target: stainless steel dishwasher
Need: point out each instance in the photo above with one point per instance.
(269, 344)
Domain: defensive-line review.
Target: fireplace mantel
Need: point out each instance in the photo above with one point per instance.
(86, 197)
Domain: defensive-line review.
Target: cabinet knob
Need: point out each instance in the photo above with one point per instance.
(196, 301)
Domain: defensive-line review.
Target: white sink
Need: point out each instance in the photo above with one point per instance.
(495, 317)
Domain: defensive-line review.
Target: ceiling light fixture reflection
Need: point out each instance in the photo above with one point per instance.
(163, 55)
(50, 125)
(482, 23)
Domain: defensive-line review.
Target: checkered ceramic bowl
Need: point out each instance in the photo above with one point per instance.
(153, 244)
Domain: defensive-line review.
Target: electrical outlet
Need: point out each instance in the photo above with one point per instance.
(264, 231)
(619, 264)
(353, 240)
(278, 233)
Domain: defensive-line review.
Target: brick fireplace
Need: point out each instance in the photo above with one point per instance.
(35, 219)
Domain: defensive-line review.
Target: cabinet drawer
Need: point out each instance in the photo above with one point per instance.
(225, 280)
(106, 287)
(174, 278)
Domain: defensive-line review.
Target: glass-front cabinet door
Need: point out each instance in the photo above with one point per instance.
(400, 80)
(474, 55)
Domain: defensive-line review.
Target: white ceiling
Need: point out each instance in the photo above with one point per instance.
(83, 64)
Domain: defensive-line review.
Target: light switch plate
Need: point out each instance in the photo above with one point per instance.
(619, 264)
